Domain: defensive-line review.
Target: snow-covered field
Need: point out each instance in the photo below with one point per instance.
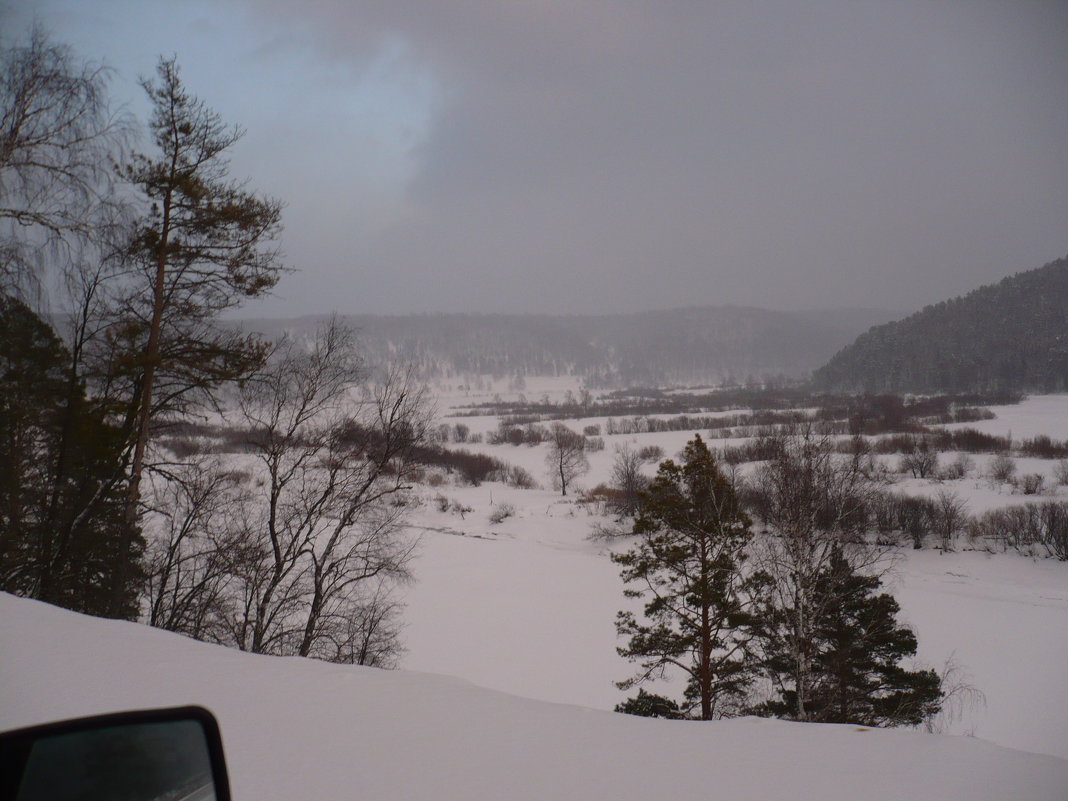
(298, 729)
(526, 607)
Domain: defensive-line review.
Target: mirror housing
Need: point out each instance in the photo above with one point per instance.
(171, 754)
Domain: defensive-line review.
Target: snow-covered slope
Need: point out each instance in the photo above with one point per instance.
(296, 729)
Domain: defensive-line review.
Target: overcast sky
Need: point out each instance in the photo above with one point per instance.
(616, 155)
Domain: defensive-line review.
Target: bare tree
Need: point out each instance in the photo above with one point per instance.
(922, 462)
(566, 458)
(1060, 472)
(816, 504)
(627, 477)
(58, 139)
(194, 513)
(1001, 468)
(949, 518)
(326, 528)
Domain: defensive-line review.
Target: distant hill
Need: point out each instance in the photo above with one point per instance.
(711, 344)
(1009, 336)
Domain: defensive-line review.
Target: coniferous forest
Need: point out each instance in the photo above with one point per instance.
(1007, 337)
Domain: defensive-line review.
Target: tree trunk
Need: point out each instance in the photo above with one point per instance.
(144, 402)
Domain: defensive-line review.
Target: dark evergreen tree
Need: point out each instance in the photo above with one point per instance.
(63, 535)
(687, 564)
(650, 705)
(856, 672)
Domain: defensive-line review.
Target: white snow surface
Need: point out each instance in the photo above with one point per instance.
(524, 609)
(299, 729)
(1037, 414)
(527, 606)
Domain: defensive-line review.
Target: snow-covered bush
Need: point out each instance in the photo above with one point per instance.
(1030, 484)
(501, 512)
(1001, 469)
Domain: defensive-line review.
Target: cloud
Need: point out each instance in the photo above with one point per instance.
(599, 155)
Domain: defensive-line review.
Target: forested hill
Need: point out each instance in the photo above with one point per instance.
(1009, 336)
(710, 344)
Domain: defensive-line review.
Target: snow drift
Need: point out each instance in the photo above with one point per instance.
(297, 729)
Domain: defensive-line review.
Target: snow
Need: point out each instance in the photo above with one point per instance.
(295, 728)
(520, 613)
(527, 606)
(1037, 414)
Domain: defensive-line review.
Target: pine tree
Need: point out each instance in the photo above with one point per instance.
(204, 245)
(650, 705)
(687, 565)
(63, 534)
(858, 646)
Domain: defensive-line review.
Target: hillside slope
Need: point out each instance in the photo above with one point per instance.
(706, 344)
(294, 728)
(1010, 336)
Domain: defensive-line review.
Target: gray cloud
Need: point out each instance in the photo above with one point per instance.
(596, 155)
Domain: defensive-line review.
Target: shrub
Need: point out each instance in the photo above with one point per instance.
(972, 441)
(651, 453)
(592, 431)
(501, 512)
(957, 469)
(184, 446)
(916, 517)
(1030, 484)
(514, 476)
(1031, 528)
(921, 463)
(1043, 447)
(1060, 472)
(1001, 469)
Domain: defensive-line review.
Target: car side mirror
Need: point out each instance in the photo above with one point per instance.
(147, 755)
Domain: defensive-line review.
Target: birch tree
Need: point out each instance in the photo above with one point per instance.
(324, 534)
(816, 505)
(566, 459)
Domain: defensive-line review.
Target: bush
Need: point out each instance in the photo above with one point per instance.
(650, 705)
(1030, 484)
(592, 431)
(651, 453)
(1001, 469)
(760, 449)
(514, 476)
(1031, 528)
(501, 512)
(957, 469)
(921, 463)
(1043, 447)
(1060, 472)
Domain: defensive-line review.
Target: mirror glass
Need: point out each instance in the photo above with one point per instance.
(156, 761)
